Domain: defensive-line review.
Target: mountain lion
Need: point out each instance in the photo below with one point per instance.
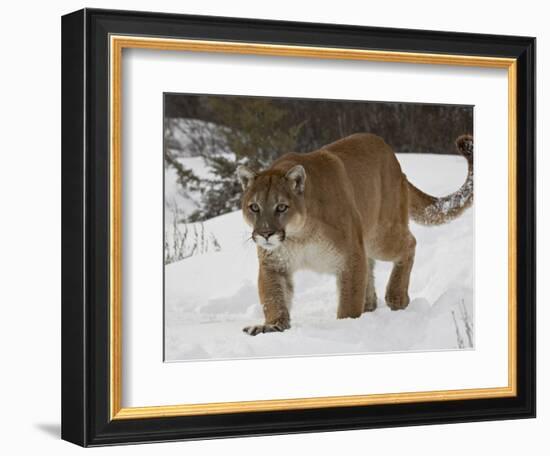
(337, 210)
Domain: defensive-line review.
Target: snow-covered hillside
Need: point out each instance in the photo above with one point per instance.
(209, 298)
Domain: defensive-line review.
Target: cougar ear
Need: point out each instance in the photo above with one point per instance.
(246, 176)
(297, 178)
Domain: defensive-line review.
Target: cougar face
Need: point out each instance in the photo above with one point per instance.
(273, 204)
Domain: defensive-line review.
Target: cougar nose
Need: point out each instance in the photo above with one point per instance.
(266, 233)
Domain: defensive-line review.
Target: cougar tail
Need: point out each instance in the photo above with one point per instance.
(429, 210)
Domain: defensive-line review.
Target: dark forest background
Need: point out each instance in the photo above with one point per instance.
(231, 130)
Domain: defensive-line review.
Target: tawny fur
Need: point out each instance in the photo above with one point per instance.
(337, 210)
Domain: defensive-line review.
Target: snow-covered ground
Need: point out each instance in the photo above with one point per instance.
(180, 239)
(210, 297)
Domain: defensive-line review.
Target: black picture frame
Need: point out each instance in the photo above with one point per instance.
(85, 228)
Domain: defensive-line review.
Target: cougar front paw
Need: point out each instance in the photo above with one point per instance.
(397, 301)
(370, 303)
(267, 328)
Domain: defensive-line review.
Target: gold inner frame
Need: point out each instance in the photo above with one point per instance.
(117, 44)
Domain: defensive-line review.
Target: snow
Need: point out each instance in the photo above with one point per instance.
(173, 193)
(180, 203)
(209, 298)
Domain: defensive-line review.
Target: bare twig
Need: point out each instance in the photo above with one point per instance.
(467, 324)
(459, 339)
(185, 240)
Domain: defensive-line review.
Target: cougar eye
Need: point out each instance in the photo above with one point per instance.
(254, 207)
(281, 208)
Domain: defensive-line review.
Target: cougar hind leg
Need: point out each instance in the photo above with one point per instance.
(371, 298)
(397, 290)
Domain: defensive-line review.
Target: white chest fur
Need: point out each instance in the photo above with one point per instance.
(316, 255)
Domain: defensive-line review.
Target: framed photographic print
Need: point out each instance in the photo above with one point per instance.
(276, 227)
